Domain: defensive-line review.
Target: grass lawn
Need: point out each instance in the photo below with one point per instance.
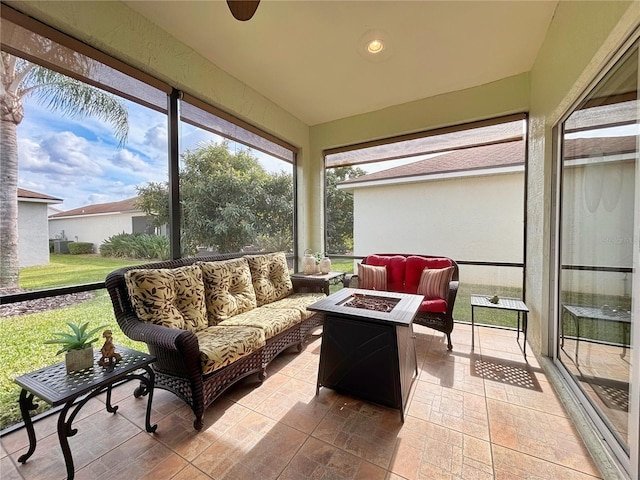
(64, 270)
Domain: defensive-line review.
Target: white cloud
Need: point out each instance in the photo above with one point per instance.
(129, 161)
(157, 137)
(58, 153)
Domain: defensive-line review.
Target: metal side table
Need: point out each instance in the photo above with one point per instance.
(504, 303)
(55, 386)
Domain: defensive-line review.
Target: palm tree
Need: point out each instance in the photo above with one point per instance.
(21, 79)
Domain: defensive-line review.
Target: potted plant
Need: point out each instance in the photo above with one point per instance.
(78, 346)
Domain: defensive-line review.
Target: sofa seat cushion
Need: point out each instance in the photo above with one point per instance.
(221, 346)
(395, 269)
(228, 288)
(172, 297)
(270, 276)
(433, 306)
(415, 266)
(271, 321)
(298, 301)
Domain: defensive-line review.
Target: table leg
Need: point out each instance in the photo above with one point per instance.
(150, 385)
(26, 405)
(473, 330)
(64, 431)
(518, 330)
(524, 329)
(110, 408)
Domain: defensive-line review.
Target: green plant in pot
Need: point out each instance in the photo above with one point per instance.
(78, 345)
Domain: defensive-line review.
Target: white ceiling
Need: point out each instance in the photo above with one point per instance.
(306, 56)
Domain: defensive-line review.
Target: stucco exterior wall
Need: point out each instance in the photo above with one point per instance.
(93, 229)
(33, 243)
(467, 218)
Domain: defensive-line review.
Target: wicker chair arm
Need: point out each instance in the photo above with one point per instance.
(451, 298)
(157, 335)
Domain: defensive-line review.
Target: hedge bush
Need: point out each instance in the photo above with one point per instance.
(136, 245)
(79, 248)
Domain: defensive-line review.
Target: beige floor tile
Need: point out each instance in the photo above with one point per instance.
(255, 447)
(513, 465)
(482, 414)
(539, 434)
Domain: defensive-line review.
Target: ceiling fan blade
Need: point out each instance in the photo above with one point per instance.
(243, 10)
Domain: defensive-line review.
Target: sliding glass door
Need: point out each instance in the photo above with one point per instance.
(597, 250)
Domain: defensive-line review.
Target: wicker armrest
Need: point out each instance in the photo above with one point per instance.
(453, 292)
(156, 335)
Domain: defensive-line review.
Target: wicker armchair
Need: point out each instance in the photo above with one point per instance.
(178, 367)
(440, 321)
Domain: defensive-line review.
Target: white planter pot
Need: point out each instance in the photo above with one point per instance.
(78, 359)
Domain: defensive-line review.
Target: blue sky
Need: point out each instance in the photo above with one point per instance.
(78, 159)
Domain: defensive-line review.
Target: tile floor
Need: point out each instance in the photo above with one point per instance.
(486, 414)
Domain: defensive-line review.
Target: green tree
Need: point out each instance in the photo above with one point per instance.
(71, 97)
(340, 209)
(228, 201)
(275, 213)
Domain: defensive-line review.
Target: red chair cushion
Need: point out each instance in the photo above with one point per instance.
(434, 306)
(395, 269)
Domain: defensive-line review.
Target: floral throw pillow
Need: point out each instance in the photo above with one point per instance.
(371, 277)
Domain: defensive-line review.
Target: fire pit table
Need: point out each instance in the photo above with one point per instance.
(368, 347)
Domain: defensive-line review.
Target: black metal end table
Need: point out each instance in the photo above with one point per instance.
(504, 303)
(55, 386)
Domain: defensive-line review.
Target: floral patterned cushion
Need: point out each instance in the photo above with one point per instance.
(298, 301)
(170, 297)
(270, 276)
(221, 346)
(272, 321)
(228, 288)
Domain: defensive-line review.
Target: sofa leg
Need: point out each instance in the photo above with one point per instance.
(449, 344)
(198, 423)
(262, 375)
(299, 347)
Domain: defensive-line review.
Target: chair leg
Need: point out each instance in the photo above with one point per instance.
(449, 344)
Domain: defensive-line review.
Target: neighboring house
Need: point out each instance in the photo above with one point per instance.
(96, 223)
(33, 239)
(469, 205)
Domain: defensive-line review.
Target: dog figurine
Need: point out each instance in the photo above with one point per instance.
(108, 350)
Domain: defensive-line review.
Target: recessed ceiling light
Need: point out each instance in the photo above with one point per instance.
(374, 45)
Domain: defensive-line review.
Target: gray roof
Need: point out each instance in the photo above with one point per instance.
(128, 205)
(497, 155)
(25, 194)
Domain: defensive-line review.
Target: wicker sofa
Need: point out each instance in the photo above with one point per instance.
(404, 273)
(211, 321)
